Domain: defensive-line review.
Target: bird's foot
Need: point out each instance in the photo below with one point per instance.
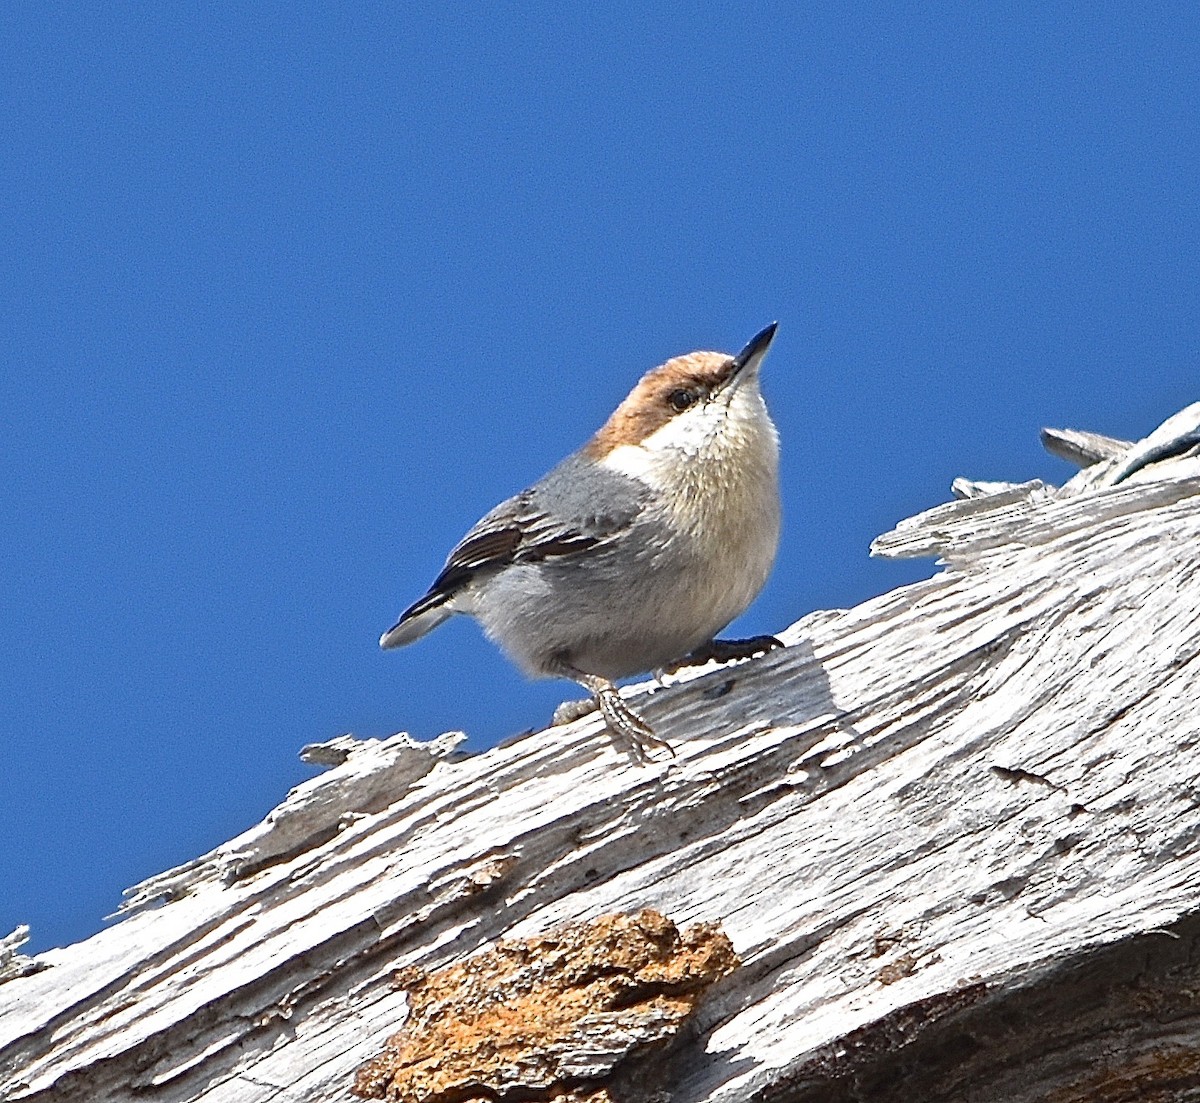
(629, 728)
(723, 651)
(626, 727)
(569, 711)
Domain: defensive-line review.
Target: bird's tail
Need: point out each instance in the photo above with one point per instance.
(415, 621)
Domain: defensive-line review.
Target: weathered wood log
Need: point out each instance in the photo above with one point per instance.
(953, 835)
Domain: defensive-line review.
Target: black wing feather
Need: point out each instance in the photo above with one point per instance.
(576, 508)
(514, 532)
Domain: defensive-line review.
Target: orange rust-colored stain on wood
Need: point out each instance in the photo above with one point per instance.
(902, 967)
(547, 1017)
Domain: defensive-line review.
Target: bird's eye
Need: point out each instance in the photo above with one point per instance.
(681, 400)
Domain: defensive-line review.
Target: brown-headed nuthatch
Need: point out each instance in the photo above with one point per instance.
(635, 551)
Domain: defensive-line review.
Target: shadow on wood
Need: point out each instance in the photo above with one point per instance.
(953, 835)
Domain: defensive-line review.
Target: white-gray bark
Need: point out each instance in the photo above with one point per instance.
(953, 835)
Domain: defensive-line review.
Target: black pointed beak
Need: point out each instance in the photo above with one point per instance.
(756, 348)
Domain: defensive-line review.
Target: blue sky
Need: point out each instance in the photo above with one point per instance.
(293, 294)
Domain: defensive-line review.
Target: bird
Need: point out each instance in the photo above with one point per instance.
(633, 552)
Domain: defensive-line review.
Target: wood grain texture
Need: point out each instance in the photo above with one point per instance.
(554, 1016)
(953, 835)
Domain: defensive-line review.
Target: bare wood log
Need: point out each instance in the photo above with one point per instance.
(953, 835)
(12, 963)
(1081, 448)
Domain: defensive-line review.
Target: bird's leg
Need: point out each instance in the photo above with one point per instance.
(724, 651)
(620, 719)
(624, 723)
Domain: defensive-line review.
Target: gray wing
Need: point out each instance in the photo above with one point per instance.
(577, 509)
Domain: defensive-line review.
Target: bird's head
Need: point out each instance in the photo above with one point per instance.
(697, 408)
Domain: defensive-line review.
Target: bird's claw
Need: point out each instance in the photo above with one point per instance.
(724, 651)
(624, 723)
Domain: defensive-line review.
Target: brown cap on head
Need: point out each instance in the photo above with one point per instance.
(662, 394)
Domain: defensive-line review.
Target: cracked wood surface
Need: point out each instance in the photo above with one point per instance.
(953, 835)
(551, 1016)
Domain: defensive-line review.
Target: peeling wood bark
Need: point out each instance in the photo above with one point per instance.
(1083, 449)
(577, 1014)
(12, 963)
(953, 835)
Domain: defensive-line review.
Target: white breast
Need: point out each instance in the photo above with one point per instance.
(715, 470)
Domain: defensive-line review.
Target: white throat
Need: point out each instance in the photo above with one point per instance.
(707, 449)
